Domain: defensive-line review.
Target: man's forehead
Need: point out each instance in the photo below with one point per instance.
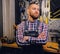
(34, 5)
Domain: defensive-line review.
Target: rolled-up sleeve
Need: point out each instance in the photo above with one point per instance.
(19, 33)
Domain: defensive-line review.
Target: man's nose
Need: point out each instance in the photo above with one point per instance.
(37, 11)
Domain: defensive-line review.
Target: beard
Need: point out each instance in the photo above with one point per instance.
(34, 17)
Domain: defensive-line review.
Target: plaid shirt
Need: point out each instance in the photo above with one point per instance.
(31, 27)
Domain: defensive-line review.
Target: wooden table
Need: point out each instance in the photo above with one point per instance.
(13, 45)
(51, 47)
(48, 47)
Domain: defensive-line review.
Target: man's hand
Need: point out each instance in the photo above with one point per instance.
(42, 35)
(26, 38)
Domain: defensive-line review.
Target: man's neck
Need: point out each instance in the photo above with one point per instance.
(31, 19)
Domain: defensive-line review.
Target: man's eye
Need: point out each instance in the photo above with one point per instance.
(35, 9)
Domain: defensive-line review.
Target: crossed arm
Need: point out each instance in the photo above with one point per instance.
(43, 35)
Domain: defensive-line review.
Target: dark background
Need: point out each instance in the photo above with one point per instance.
(54, 7)
(1, 20)
(17, 12)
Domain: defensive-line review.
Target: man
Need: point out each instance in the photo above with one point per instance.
(31, 34)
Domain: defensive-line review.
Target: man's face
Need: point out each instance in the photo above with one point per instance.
(34, 11)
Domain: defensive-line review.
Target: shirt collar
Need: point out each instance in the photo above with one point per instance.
(34, 21)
